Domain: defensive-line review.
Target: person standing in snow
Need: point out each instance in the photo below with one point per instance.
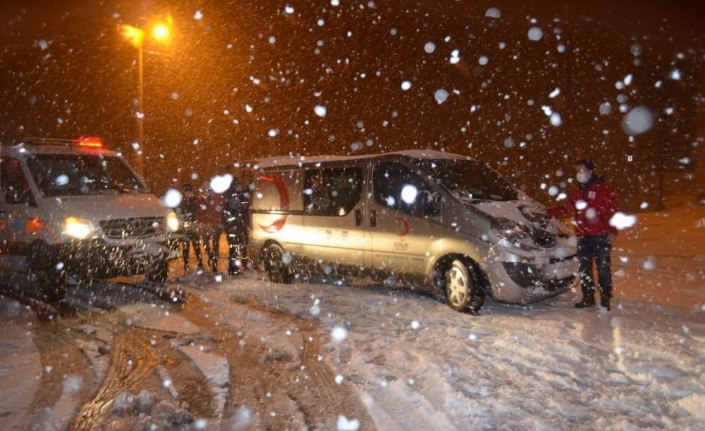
(236, 223)
(187, 216)
(592, 205)
(209, 217)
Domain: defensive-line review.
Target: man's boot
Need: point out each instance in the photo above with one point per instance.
(588, 301)
(605, 302)
(233, 268)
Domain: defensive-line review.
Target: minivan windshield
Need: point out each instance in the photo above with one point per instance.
(468, 179)
(82, 174)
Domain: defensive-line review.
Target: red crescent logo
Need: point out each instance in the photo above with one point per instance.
(278, 223)
(405, 226)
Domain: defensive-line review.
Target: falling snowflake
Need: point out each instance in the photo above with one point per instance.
(535, 34)
(493, 12)
(637, 121)
(339, 334)
(441, 96)
(320, 110)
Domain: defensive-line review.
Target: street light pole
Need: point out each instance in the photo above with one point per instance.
(139, 156)
(137, 35)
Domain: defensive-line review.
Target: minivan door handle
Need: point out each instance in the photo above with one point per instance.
(358, 217)
(373, 218)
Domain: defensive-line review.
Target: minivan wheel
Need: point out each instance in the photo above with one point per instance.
(53, 282)
(275, 266)
(463, 289)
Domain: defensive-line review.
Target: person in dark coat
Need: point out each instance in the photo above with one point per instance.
(189, 233)
(209, 217)
(237, 225)
(592, 205)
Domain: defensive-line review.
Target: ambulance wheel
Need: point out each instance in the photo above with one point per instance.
(158, 271)
(464, 287)
(276, 264)
(55, 290)
(43, 269)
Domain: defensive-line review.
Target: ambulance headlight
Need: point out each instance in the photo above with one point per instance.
(172, 222)
(78, 228)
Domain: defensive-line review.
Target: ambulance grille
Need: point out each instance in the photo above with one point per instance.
(139, 227)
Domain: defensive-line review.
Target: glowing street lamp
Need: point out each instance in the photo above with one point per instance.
(160, 32)
(136, 36)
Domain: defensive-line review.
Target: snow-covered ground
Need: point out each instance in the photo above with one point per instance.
(418, 365)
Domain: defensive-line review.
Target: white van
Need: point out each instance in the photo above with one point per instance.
(71, 209)
(431, 221)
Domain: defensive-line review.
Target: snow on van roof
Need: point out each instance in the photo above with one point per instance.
(274, 161)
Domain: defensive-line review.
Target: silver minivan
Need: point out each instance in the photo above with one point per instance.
(427, 220)
(74, 210)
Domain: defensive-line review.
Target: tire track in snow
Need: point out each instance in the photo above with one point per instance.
(131, 361)
(275, 388)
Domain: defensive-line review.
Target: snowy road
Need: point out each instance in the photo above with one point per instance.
(247, 354)
(419, 365)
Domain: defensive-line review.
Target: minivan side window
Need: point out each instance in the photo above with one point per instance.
(13, 182)
(332, 191)
(396, 186)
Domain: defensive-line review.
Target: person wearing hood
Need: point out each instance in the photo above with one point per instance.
(592, 205)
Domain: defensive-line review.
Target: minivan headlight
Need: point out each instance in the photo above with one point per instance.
(504, 228)
(78, 228)
(172, 222)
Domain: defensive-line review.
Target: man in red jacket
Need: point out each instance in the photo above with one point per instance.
(592, 205)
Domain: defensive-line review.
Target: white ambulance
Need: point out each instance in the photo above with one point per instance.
(434, 222)
(74, 210)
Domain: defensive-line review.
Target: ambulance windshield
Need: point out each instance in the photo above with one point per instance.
(81, 174)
